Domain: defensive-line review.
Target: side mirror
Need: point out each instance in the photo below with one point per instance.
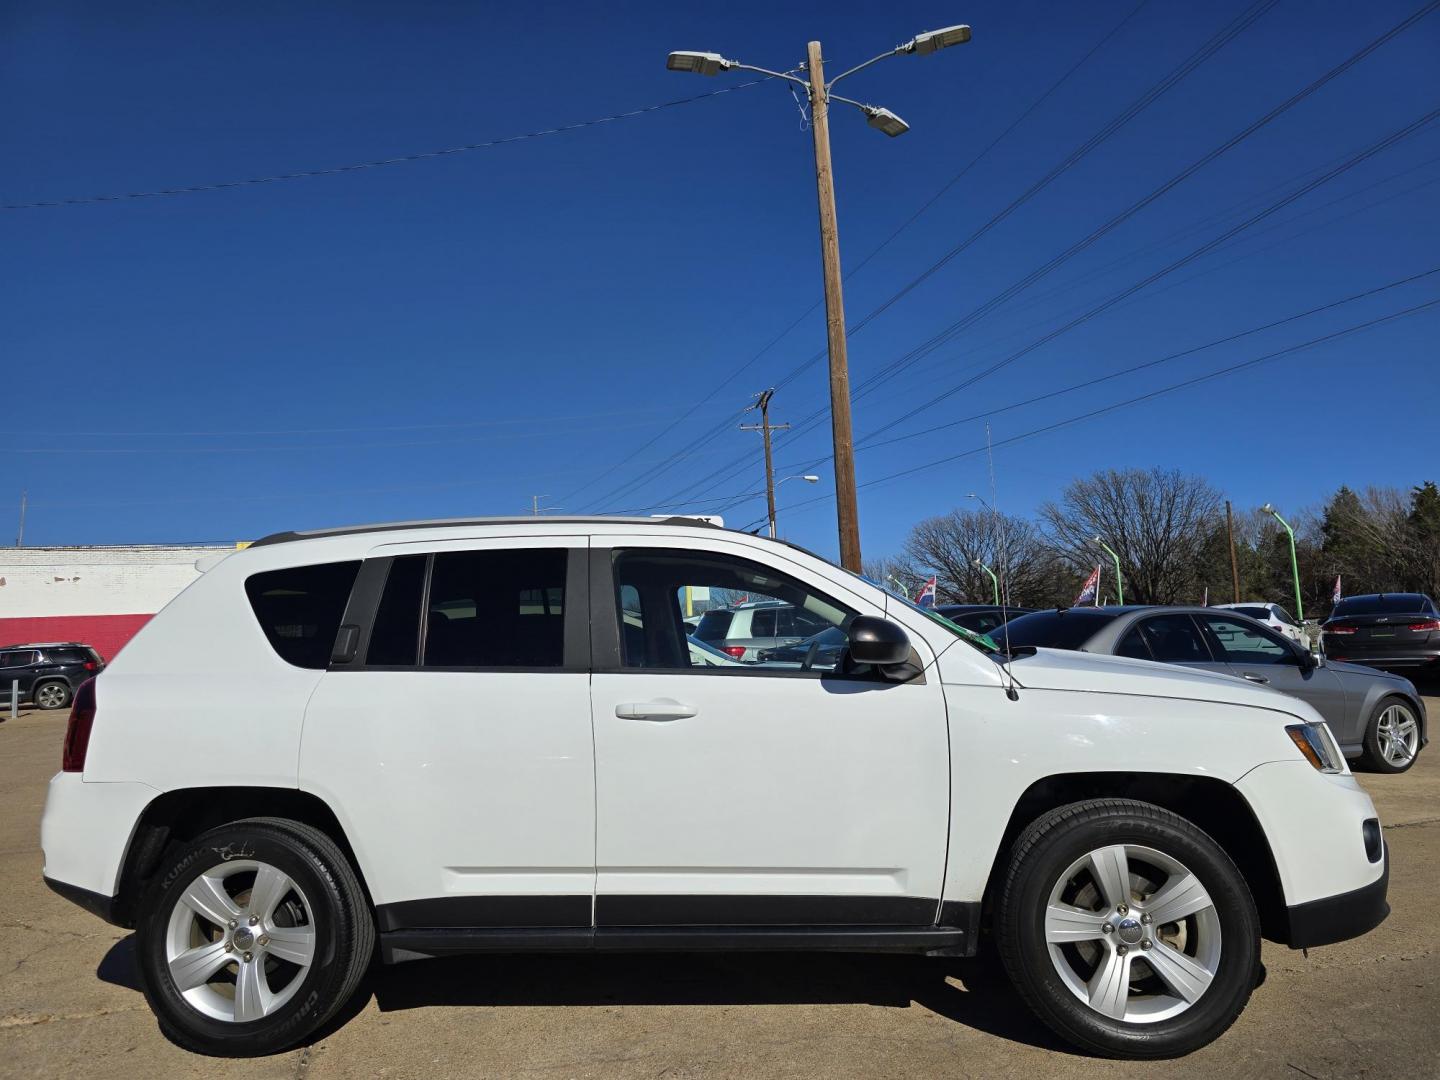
(1308, 660)
(877, 641)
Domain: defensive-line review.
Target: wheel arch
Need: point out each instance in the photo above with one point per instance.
(182, 814)
(1212, 805)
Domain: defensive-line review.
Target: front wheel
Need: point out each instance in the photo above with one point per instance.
(1392, 738)
(251, 937)
(1127, 929)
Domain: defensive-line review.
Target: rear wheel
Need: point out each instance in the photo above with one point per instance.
(51, 695)
(1392, 738)
(1128, 930)
(252, 937)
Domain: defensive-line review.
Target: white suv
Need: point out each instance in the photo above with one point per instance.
(443, 737)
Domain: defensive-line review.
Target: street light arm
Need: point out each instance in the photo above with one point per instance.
(867, 63)
(735, 65)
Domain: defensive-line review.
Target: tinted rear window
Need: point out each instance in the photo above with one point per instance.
(1056, 629)
(300, 609)
(1254, 612)
(1389, 604)
(713, 625)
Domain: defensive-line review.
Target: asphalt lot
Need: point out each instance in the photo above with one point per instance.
(69, 1004)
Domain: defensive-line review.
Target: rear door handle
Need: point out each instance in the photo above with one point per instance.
(1255, 678)
(663, 709)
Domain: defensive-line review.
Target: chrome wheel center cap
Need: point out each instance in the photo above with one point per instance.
(244, 938)
(1129, 931)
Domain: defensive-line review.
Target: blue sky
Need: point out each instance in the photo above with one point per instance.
(454, 335)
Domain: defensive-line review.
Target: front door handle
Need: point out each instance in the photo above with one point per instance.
(1255, 678)
(663, 709)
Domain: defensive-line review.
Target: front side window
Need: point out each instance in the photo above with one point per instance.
(502, 608)
(1175, 639)
(755, 620)
(1247, 643)
(300, 609)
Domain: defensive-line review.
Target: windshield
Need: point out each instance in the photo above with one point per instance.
(1254, 612)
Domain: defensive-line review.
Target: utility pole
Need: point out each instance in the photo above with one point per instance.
(536, 509)
(765, 427)
(20, 536)
(846, 501)
(1234, 566)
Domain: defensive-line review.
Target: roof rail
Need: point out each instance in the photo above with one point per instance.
(449, 523)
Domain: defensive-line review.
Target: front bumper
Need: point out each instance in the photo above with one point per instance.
(1333, 887)
(1340, 918)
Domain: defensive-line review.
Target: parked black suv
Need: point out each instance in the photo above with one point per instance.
(47, 673)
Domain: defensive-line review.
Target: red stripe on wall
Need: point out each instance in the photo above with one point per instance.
(104, 633)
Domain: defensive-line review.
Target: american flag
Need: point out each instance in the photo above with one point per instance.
(1335, 596)
(926, 596)
(1089, 592)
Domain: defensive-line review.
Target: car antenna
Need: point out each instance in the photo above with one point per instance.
(1004, 553)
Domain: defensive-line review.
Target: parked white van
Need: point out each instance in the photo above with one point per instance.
(443, 737)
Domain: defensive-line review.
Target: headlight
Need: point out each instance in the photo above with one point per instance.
(1318, 746)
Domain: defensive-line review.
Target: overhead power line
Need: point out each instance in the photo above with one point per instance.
(1137, 399)
(402, 159)
(808, 422)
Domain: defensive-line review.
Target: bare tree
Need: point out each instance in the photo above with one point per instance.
(1159, 522)
(954, 545)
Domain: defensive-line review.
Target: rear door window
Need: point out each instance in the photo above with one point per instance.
(1175, 639)
(300, 608)
(496, 609)
(395, 637)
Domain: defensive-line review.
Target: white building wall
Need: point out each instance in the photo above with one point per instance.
(44, 582)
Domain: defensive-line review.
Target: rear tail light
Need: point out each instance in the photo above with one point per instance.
(77, 732)
(90, 665)
(1339, 628)
(737, 651)
(1428, 624)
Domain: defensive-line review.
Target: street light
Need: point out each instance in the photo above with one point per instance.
(708, 63)
(935, 40)
(1294, 562)
(809, 478)
(1119, 582)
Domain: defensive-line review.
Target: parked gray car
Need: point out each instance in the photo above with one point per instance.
(1376, 716)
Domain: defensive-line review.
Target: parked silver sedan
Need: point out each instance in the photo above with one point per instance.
(1376, 716)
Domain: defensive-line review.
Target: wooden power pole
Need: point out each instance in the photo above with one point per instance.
(765, 427)
(1234, 566)
(846, 503)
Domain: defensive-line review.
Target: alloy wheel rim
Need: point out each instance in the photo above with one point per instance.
(1133, 933)
(1398, 733)
(51, 696)
(240, 941)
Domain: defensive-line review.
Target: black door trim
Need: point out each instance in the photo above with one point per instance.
(480, 912)
(725, 910)
(399, 946)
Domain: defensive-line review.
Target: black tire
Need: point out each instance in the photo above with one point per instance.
(1044, 852)
(344, 935)
(54, 694)
(1374, 758)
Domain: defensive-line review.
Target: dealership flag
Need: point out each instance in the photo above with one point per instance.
(1335, 596)
(1090, 591)
(926, 596)
(1206, 601)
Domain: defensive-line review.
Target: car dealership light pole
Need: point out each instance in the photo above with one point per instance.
(1294, 562)
(819, 91)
